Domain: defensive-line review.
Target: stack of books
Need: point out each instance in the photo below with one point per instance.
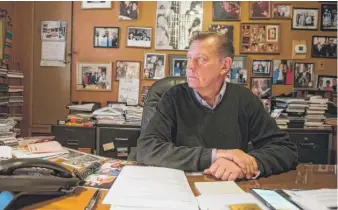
(14, 74)
(7, 135)
(315, 113)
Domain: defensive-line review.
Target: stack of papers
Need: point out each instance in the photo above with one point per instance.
(211, 188)
(149, 188)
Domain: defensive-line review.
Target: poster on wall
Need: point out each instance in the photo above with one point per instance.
(176, 23)
(53, 30)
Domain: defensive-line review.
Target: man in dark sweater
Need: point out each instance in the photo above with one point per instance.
(206, 124)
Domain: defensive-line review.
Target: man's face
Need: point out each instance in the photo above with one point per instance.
(204, 65)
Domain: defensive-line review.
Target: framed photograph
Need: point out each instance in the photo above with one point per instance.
(261, 87)
(260, 38)
(226, 30)
(304, 19)
(324, 47)
(329, 17)
(267, 104)
(176, 24)
(178, 65)
(93, 76)
(106, 37)
(154, 66)
(129, 10)
(261, 67)
(96, 5)
(327, 82)
(226, 10)
(281, 11)
(144, 92)
(259, 9)
(139, 37)
(304, 75)
(128, 70)
(238, 73)
(282, 73)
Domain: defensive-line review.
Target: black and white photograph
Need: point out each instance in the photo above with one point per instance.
(238, 73)
(281, 11)
(305, 19)
(329, 17)
(261, 67)
(272, 33)
(93, 76)
(304, 75)
(259, 9)
(324, 47)
(178, 65)
(129, 10)
(327, 82)
(96, 5)
(226, 30)
(261, 87)
(226, 10)
(282, 73)
(128, 70)
(106, 37)
(154, 66)
(139, 37)
(176, 24)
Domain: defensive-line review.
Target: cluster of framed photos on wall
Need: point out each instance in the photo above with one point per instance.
(178, 21)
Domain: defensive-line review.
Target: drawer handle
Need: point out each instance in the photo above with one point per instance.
(73, 142)
(121, 139)
(308, 145)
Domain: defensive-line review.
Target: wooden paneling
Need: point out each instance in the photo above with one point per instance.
(85, 20)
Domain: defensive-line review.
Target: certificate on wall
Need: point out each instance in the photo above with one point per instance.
(128, 91)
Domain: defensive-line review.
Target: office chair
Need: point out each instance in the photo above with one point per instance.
(153, 97)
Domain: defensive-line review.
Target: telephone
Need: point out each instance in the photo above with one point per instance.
(33, 180)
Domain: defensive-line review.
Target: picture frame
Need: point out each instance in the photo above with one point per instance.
(261, 67)
(260, 38)
(178, 65)
(139, 37)
(282, 72)
(226, 30)
(106, 37)
(168, 14)
(305, 19)
(96, 5)
(261, 87)
(267, 105)
(303, 75)
(144, 92)
(226, 10)
(260, 10)
(154, 66)
(93, 76)
(327, 82)
(281, 10)
(324, 47)
(238, 72)
(127, 69)
(130, 11)
(328, 11)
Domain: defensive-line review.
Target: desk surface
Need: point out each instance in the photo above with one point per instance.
(305, 177)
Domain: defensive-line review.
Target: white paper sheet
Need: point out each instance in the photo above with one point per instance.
(139, 187)
(54, 51)
(6, 152)
(322, 199)
(222, 201)
(128, 91)
(208, 188)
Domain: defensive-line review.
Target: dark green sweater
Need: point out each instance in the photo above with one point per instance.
(182, 132)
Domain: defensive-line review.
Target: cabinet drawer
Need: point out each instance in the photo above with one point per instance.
(312, 147)
(75, 137)
(122, 139)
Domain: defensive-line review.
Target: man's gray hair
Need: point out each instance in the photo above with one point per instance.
(224, 46)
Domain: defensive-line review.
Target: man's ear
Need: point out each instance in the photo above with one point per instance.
(226, 65)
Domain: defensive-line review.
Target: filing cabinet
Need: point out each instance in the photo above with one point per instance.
(115, 141)
(314, 145)
(78, 138)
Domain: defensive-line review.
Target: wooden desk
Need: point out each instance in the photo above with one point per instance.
(305, 177)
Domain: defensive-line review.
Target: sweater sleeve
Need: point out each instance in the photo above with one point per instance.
(273, 150)
(156, 147)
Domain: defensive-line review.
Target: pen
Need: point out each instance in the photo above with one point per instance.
(93, 200)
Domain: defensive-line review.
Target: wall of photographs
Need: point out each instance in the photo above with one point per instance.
(150, 41)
